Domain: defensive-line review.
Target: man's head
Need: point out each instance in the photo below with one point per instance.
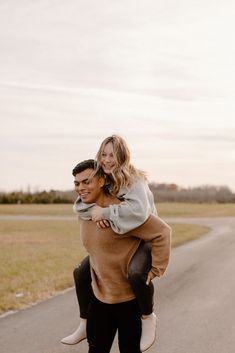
(89, 181)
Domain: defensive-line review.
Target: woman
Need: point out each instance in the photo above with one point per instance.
(130, 185)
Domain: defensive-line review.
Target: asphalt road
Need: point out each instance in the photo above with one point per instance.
(194, 303)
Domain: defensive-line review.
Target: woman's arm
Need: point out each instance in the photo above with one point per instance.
(83, 210)
(138, 204)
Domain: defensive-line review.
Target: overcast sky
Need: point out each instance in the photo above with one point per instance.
(159, 73)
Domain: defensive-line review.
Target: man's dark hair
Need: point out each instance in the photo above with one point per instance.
(87, 164)
(92, 164)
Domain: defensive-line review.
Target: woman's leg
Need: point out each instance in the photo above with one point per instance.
(82, 279)
(139, 268)
(101, 327)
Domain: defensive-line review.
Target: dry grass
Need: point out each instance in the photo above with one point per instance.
(33, 209)
(182, 233)
(165, 209)
(37, 257)
(36, 260)
(177, 209)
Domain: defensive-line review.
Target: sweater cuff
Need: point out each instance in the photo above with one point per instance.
(155, 272)
(106, 213)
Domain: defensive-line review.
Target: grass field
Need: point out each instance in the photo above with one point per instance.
(165, 209)
(36, 260)
(176, 209)
(37, 257)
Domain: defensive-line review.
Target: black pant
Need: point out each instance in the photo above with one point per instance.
(104, 320)
(138, 270)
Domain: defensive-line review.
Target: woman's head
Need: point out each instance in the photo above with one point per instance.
(113, 154)
(113, 157)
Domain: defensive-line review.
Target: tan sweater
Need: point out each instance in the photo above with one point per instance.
(111, 253)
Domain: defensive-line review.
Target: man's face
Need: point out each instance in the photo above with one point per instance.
(88, 187)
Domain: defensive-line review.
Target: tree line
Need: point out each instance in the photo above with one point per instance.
(199, 194)
(161, 192)
(42, 197)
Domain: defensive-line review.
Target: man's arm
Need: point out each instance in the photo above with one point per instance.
(159, 233)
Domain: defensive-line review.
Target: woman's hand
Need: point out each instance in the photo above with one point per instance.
(149, 278)
(97, 217)
(103, 224)
(96, 213)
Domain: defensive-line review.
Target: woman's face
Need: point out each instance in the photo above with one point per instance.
(108, 161)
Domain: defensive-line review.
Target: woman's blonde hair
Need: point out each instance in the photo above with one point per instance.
(124, 174)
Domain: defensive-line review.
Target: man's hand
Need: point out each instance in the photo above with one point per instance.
(96, 213)
(149, 278)
(103, 224)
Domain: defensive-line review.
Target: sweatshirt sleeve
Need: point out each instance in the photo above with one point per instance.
(83, 210)
(137, 206)
(158, 233)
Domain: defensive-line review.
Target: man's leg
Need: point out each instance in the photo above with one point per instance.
(129, 326)
(101, 327)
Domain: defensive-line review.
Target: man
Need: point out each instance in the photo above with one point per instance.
(114, 306)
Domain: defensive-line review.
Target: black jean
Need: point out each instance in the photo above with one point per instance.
(104, 320)
(138, 270)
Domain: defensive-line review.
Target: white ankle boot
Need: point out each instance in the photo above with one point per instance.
(78, 336)
(148, 336)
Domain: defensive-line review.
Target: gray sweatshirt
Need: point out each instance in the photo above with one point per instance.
(137, 206)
